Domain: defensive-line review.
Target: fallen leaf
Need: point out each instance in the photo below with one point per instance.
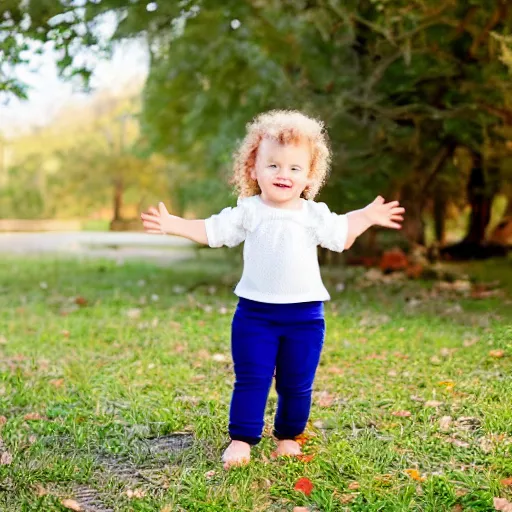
(457, 442)
(3, 420)
(347, 498)
(134, 313)
(302, 439)
(353, 486)
(81, 301)
(497, 353)
(72, 505)
(506, 481)
(448, 384)
(401, 414)
(300, 509)
(305, 458)
(384, 479)
(304, 485)
(445, 422)
(414, 474)
(210, 473)
(470, 342)
(40, 490)
(220, 358)
(457, 508)
(137, 493)
(433, 403)
(486, 444)
(502, 504)
(5, 459)
(325, 399)
(33, 416)
(57, 382)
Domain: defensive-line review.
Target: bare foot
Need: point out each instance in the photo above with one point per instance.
(287, 447)
(237, 453)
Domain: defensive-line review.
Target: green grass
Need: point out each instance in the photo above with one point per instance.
(135, 362)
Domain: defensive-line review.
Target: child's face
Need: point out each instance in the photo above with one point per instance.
(282, 171)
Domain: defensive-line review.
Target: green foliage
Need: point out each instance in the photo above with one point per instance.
(395, 83)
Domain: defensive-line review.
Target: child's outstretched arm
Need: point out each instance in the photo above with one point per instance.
(162, 222)
(377, 213)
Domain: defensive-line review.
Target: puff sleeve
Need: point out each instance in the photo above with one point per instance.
(226, 228)
(331, 229)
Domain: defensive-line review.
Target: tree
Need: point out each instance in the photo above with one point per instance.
(401, 85)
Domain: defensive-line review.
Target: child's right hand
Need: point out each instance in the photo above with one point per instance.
(159, 221)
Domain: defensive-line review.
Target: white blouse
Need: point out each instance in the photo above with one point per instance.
(280, 255)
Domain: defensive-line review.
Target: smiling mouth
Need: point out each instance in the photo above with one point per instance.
(281, 185)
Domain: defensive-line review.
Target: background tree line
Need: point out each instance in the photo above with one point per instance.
(415, 94)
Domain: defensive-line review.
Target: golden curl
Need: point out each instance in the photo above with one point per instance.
(285, 127)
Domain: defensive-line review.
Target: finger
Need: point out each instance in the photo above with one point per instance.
(396, 217)
(153, 210)
(162, 209)
(151, 225)
(394, 225)
(148, 216)
(393, 204)
(154, 231)
(379, 200)
(395, 211)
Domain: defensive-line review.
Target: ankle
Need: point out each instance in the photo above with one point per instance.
(236, 442)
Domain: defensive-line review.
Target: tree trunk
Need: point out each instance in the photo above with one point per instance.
(440, 205)
(413, 225)
(118, 199)
(480, 191)
(508, 209)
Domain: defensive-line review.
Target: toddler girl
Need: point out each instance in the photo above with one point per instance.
(278, 327)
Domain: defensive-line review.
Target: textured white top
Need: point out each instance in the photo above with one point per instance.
(280, 255)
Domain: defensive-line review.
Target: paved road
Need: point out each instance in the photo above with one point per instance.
(99, 244)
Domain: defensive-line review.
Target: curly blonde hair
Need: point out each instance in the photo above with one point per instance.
(285, 127)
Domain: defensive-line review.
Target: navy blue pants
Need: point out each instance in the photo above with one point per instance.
(287, 338)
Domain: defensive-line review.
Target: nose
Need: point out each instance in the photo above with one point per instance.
(284, 172)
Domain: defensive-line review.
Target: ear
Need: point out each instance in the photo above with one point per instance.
(252, 174)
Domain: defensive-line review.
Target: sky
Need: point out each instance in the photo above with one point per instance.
(48, 94)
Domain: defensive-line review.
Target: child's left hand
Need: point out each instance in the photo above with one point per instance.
(383, 214)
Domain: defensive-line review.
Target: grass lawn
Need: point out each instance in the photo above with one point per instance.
(115, 383)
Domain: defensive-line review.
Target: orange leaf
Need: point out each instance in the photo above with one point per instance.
(304, 485)
(57, 382)
(353, 486)
(506, 481)
(414, 474)
(306, 458)
(497, 353)
(302, 439)
(401, 414)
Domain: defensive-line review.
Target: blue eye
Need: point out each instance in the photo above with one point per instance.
(272, 165)
(296, 169)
